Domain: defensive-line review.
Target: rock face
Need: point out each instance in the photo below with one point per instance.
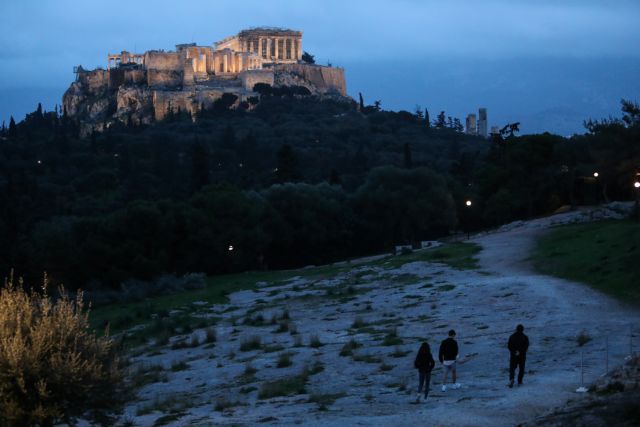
(135, 95)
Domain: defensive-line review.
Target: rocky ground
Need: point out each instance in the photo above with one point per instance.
(339, 349)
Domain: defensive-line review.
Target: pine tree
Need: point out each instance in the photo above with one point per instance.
(427, 119)
(13, 130)
(361, 102)
(440, 122)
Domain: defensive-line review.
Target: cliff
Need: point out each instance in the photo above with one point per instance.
(130, 94)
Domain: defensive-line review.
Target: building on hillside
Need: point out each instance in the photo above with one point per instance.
(471, 124)
(482, 122)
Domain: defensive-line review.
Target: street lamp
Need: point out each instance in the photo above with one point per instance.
(636, 185)
(596, 174)
(468, 203)
(230, 248)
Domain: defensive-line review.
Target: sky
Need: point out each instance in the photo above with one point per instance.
(548, 64)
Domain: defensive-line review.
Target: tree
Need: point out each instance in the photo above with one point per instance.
(287, 165)
(457, 126)
(419, 113)
(13, 131)
(308, 58)
(408, 163)
(361, 102)
(199, 166)
(441, 122)
(427, 120)
(377, 105)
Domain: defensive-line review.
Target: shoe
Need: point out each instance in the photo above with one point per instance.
(457, 386)
(510, 385)
(519, 383)
(418, 398)
(444, 388)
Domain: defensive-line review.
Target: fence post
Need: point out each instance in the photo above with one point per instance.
(607, 355)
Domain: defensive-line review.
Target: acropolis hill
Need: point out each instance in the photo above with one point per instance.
(139, 88)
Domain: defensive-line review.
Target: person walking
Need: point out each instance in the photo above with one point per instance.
(518, 346)
(424, 363)
(448, 356)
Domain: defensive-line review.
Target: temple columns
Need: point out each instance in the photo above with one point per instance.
(276, 40)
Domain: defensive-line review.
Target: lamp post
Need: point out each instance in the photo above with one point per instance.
(468, 204)
(636, 186)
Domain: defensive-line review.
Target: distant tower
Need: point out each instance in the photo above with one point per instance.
(482, 122)
(472, 125)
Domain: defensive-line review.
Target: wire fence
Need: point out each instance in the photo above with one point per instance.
(598, 355)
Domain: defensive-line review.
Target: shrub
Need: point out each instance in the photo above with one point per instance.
(314, 341)
(210, 335)
(52, 366)
(583, 338)
(284, 360)
(251, 343)
(348, 347)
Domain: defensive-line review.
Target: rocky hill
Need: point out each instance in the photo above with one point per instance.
(132, 94)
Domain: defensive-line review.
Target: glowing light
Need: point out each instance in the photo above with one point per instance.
(468, 203)
(230, 248)
(636, 184)
(596, 174)
(39, 162)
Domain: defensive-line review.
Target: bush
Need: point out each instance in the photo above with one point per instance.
(251, 343)
(52, 367)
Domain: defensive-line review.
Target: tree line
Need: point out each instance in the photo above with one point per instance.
(297, 180)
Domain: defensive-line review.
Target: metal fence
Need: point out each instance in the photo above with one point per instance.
(601, 353)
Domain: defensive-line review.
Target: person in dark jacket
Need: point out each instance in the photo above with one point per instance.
(448, 356)
(424, 363)
(518, 346)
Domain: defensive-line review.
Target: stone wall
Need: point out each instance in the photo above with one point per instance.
(165, 61)
(163, 78)
(94, 82)
(250, 78)
(324, 79)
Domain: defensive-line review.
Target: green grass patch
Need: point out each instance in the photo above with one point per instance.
(459, 255)
(603, 255)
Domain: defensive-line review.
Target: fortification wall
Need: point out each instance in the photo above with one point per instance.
(164, 78)
(165, 61)
(94, 82)
(325, 79)
(250, 78)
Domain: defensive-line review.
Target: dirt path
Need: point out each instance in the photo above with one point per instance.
(376, 384)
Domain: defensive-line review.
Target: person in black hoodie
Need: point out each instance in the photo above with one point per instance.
(424, 363)
(518, 346)
(448, 355)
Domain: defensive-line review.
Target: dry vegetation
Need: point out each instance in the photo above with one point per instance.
(52, 367)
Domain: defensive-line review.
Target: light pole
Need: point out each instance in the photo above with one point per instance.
(636, 186)
(468, 204)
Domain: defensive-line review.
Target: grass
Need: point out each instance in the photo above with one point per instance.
(251, 343)
(122, 316)
(325, 400)
(284, 360)
(457, 255)
(603, 255)
(288, 386)
(348, 347)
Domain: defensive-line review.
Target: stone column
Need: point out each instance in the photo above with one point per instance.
(226, 63)
(276, 40)
(299, 49)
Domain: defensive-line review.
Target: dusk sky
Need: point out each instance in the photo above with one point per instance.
(549, 64)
